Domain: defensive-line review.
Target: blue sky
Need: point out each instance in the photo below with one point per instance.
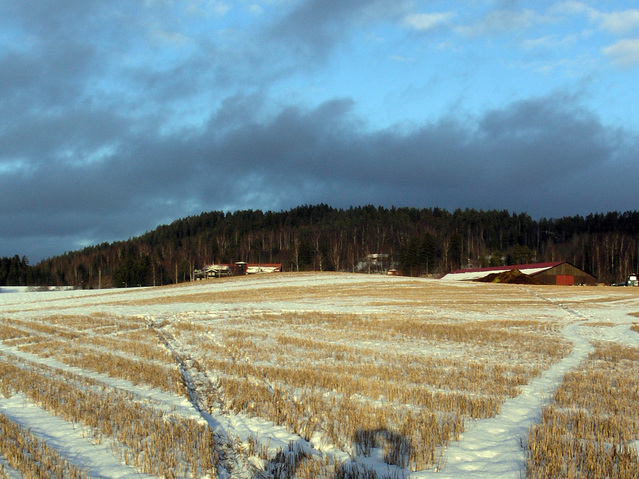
(117, 116)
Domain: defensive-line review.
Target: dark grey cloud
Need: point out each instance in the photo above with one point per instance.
(312, 29)
(547, 156)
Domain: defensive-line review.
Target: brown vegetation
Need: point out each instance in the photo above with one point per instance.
(587, 429)
(150, 440)
(31, 456)
(362, 381)
(399, 365)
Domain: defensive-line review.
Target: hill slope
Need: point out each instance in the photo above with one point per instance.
(322, 238)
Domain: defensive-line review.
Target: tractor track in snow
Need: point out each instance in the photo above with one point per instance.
(206, 400)
(203, 396)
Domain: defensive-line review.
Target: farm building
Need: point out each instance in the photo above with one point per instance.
(555, 273)
(256, 268)
(239, 268)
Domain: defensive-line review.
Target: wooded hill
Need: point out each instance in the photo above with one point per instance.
(428, 241)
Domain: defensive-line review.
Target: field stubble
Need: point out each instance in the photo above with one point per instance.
(400, 380)
(402, 371)
(588, 428)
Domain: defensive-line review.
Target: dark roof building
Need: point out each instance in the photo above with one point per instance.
(555, 273)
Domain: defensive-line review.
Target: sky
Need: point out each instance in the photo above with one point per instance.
(117, 116)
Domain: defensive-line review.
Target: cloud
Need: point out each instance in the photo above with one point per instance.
(116, 118)
(316, 26)
(550, 42)
(547, 156)
(571, 7)
(424, 22)
(500, 21)
(619, 23)
(625, 53)
(256, 9)
(616, 22)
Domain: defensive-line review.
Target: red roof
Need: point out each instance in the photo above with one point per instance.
(510, 267)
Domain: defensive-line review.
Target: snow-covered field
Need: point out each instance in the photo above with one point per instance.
(298, 375)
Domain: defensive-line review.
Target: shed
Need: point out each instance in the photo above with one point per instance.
(554, 273)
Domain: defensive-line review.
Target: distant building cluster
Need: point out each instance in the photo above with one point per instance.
(376, 263)
(235, 269)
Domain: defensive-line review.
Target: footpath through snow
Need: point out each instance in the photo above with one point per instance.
(495, 447)
(490, 448)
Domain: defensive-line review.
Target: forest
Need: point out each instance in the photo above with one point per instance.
(427, 241)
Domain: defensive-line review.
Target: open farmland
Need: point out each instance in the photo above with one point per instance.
(320, 375)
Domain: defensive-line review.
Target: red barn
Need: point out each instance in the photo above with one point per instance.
(555, 273)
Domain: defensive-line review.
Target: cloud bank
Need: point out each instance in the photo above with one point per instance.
(117, 117)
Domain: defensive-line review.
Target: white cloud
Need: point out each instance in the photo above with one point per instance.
(549, 42)
(402, 59)
(620, 23)
(572, 8)
(10, 166)
(567, 67)
(556, 42)
(157, 2)
(624, 53)
(221, 8)
(500, 21)
(175, 39)
(424, 22)
(207, 8)
(255, 9)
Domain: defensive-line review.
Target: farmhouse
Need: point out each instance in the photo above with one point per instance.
(555, 273)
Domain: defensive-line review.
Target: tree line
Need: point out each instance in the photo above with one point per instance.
(427, 241)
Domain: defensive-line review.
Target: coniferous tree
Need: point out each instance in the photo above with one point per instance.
(319, 237)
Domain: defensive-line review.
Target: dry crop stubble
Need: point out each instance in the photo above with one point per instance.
(148, 439)
(588, 428)
(376, 379)
(403, 367)
(82, 322)
(9, 332)
(164, 376)
(32, 457)
(126, 351)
